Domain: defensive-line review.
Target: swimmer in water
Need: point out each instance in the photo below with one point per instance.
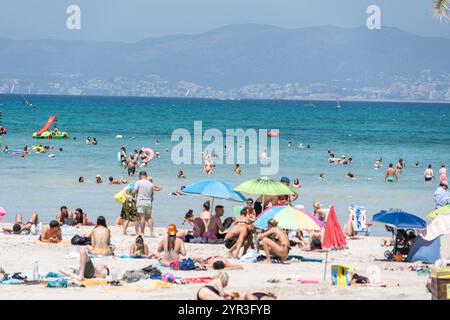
(400, 166)
(296, 184)
(428, 174)
(391, 174)
(289, 144)
(351, 176)
(98, 179)
(88, 140)
(378, 164)
(181, 175)
(322, 176)
(157, 142)
(81, 180)
(158, 155)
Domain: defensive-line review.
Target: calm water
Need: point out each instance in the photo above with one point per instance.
(361, 130)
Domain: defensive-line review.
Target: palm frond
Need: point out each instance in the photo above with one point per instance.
(440, 9)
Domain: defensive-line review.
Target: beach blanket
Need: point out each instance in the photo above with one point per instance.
(50, 243)
(92, 282)
(143, 286)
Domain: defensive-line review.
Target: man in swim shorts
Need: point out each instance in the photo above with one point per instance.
(31, 227)
(391, 174)
(144, 190)
(428, 174)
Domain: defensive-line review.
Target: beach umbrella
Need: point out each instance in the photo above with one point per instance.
(214, 189)
(333, 238)
(264, 186)
(444, 210)
(399, 219)
(289, 218)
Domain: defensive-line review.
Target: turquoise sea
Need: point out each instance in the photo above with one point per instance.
(415, 132)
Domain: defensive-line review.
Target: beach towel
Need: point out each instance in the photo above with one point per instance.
(59, 283)
(12, 281)
(439, 226)
(357, 215)
(250, 257)
(196, 280)
(143, 286)
(303, 259)
(93, 282)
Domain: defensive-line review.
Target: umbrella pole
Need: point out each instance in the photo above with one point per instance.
(325, 270)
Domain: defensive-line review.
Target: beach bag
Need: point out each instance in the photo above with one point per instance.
(60, 283)
(152, 271)
(80, 241)
(134, 276)
(120, 197)
(186, 264)
(341, 276)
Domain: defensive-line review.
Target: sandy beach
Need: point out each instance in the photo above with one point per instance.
(18, 254)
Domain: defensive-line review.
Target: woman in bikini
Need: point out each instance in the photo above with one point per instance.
(217, 263)
(172, 247)
(274, 242)
(139, 248)
(101, 239)
(215, 288)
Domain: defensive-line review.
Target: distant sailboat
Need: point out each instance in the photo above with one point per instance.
(338, 105)
(187, 92)
(12, 89)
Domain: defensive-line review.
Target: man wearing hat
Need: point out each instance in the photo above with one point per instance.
(442, 195)
(144, 190)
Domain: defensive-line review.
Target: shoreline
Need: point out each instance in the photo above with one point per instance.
(440, 102)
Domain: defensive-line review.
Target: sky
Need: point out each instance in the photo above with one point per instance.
(134, 20)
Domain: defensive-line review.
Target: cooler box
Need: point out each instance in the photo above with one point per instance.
(341, 275)
(440, 283)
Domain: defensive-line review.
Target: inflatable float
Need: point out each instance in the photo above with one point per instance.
(273, 134)
(45, 133)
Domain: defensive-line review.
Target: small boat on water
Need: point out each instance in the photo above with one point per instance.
(338, 105)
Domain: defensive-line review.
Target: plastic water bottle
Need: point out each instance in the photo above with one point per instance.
(36, 271)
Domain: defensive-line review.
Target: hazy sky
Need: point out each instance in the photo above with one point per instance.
(132, 20)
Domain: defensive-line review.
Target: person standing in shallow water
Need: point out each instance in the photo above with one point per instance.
(144, 191)
(391, 174)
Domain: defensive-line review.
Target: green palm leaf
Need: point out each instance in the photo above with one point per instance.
(440, 9)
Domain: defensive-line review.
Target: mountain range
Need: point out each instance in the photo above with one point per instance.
(232, 57)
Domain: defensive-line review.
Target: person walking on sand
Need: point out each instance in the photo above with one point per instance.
(144, 190)
(391, 174)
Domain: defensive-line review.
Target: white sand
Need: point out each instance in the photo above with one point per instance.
(18, 253)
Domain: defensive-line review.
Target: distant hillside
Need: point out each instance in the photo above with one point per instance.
(235, 56)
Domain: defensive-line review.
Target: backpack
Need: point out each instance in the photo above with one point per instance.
(186, 264)
(152, 271)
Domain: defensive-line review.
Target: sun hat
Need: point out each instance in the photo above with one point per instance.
(172, 230)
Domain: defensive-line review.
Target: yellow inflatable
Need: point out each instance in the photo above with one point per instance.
(38, 149)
